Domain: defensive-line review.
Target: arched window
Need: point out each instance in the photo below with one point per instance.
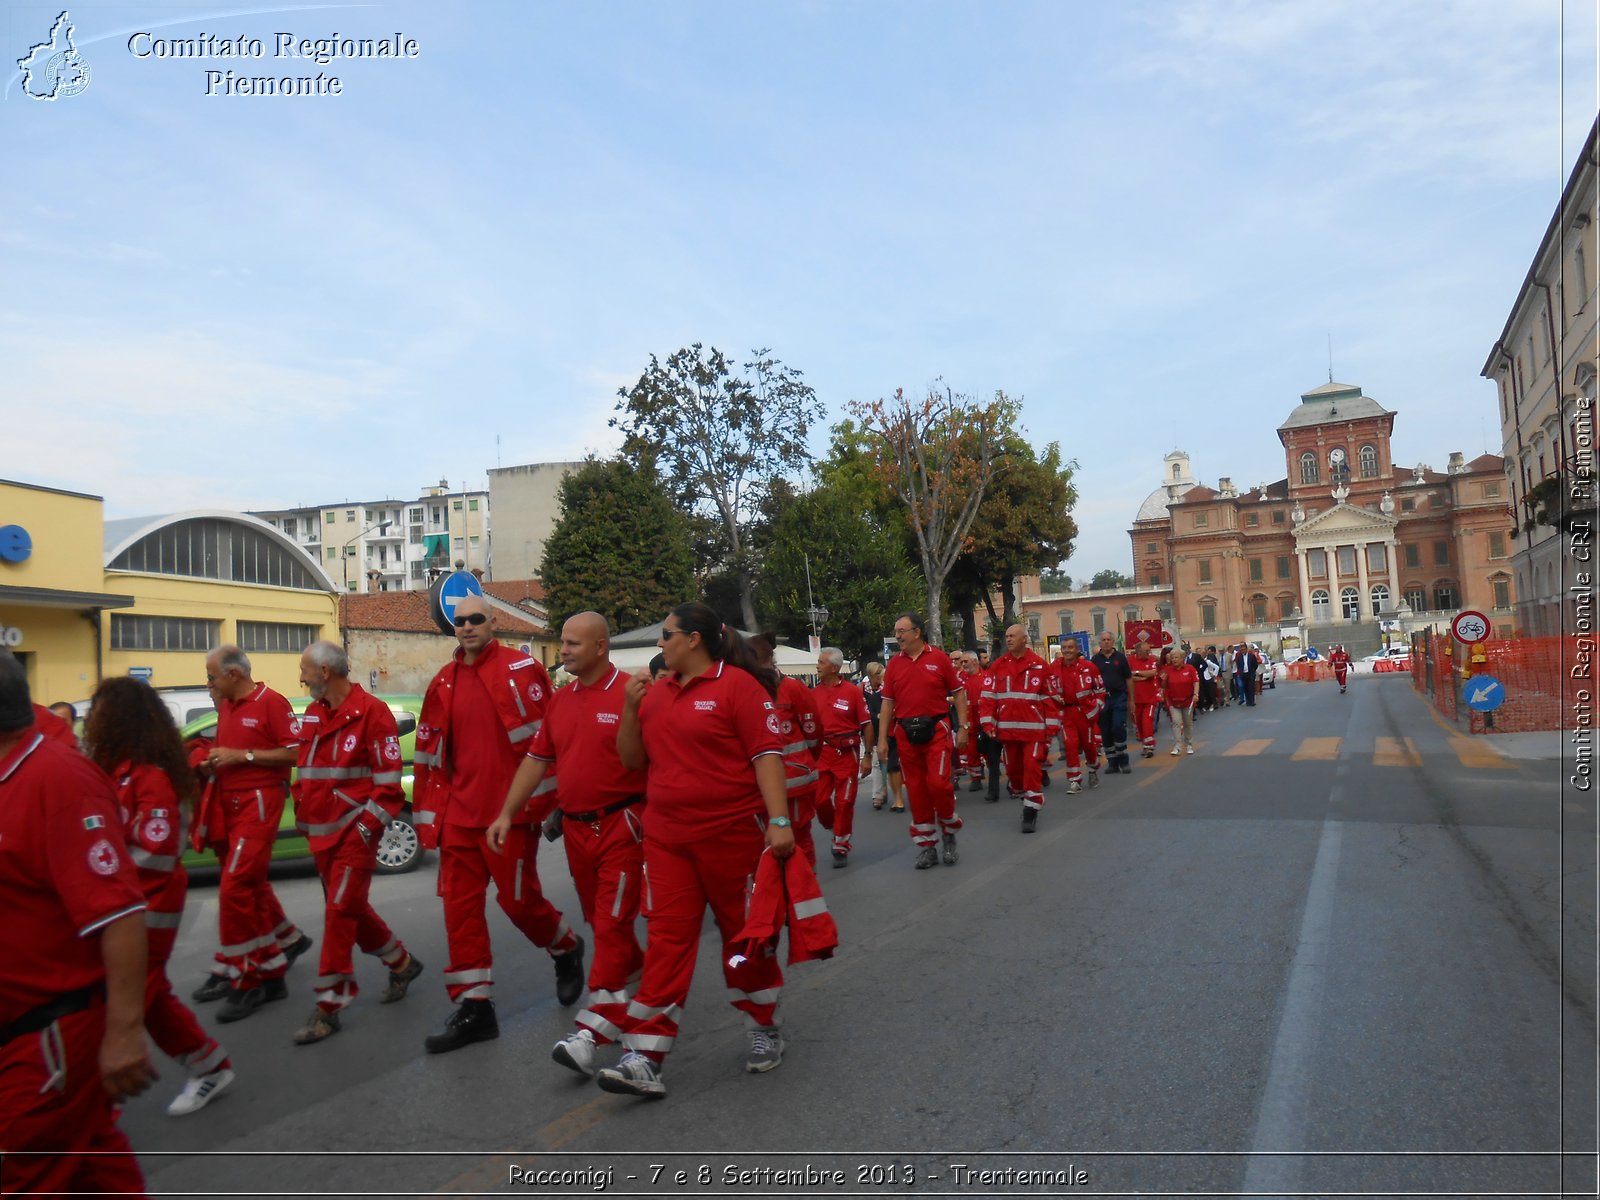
(1177, 471)
(1308, 467)
(1416, 597)
(1350, 603)
(1321, 606)
(1368, 456)
(1380, 597)
(1444, 595)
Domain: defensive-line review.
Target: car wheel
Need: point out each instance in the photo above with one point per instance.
(400, 850)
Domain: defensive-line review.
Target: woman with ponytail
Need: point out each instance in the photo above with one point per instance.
(708, 734)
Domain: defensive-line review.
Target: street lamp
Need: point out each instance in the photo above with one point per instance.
(380, 527)
(818, 614)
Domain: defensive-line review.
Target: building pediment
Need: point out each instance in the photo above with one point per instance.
(1344, 523)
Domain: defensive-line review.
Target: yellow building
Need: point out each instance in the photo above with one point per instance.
(82, 598)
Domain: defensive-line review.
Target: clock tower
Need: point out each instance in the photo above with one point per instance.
(1336, 438)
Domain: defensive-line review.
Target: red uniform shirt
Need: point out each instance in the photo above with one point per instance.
(580, 733)
(1081, 686)
(800, 732)
(701, 738)
(841, 709)
(152, 825)
(482, 759)
(1182, 684)
(263, 720)
(1145, 691)
(64, 873)
(52, 726)
(921, 687)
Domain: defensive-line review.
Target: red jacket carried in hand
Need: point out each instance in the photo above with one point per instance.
(787, 893)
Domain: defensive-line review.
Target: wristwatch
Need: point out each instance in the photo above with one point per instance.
(778, 822)
(249, 756)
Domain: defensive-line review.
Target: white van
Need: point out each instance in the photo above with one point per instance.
(184, 703)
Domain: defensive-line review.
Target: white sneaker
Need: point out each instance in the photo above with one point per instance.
(1188, 750)
(634, 1075)
(1177, 750)
(576, 1052)
(199, 1092)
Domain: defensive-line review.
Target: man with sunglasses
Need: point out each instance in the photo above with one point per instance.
(478, 716)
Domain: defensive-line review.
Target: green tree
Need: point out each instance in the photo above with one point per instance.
(937, 457)
(858, 569)
(720, 437)
(1024, 524)
(620, 546)
(1107, 580)
(1054, 580)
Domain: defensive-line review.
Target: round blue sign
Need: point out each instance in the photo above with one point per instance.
(15, 544)
(1484, 693)
(449, 591)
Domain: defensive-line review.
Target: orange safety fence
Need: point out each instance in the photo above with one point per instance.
(1550, 682)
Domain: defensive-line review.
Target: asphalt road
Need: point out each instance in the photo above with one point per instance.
(1339, 949)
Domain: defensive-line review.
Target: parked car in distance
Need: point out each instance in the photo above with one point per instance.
(184, 703)
(399, 851)
(1399, 655)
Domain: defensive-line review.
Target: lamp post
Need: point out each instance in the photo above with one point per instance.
(817, 614)
(345, 556)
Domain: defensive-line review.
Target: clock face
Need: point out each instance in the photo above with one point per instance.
(1337, 457)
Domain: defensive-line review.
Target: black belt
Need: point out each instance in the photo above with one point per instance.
(603, 812)
(51, 1011)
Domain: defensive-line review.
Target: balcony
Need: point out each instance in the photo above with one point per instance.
(1559, 501)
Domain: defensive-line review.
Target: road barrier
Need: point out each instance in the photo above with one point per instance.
(1549, 682)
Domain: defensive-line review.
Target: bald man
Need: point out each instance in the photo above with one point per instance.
(1023, 715)
(478, 717)
(599, 817)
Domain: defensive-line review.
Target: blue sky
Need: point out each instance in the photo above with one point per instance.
(1144, 219)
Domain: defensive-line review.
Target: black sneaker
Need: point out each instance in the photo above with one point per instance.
(244, 1001)
(569, 975)
(1030, 818)
(297, 947)
(472, 1021)
(927, 857)
(976, 785)
(1044, 777)
(840, 858)
(950, 856)
(214, 988)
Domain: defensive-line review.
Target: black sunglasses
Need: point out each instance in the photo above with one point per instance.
(668, 634)
(470, 619)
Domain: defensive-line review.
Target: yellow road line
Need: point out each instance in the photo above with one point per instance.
(1396, 752)
(1249, 746)
(1477, 752)
(1320, 748)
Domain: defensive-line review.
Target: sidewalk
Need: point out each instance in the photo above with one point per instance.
(1543, 743)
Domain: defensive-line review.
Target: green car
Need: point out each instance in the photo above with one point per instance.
(399, 851)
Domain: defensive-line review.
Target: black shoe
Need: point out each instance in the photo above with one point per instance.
(244, 1001)
(927, 857)
(949, 855)
(992, 798)
(569, 975)
(840, 858)
(1045, 777)
(297, 947)
(1113, 769)
(1030, 818)
(975, 786)
(472, 1021)
(214, 988)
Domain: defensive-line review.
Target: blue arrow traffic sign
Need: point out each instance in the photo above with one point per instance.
(450, 591)
(1484, 693)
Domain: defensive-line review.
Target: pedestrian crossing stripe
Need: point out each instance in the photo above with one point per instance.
(1386, 752)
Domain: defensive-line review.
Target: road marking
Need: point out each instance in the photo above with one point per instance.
(1247, 747)
(1396, 752)
(1474, 752)
(1319, 748)
(1282, 1121)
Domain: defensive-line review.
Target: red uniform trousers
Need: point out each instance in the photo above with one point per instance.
(170, 1022)
(53, 1109)
(1025, 770)
(607, 862)
(1144, 722)
(466, 865)
(974, 756)
(250, 921)
(930, 790)
(1341, 672)
(1078, 742)
(839, 774)
(802, 811)
(349, 920)
(681, 880)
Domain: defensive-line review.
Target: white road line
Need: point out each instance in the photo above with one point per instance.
(1281, 1122)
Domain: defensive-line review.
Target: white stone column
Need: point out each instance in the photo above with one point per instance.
(1390, 559)
(1305, 584)
(1363, 593)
